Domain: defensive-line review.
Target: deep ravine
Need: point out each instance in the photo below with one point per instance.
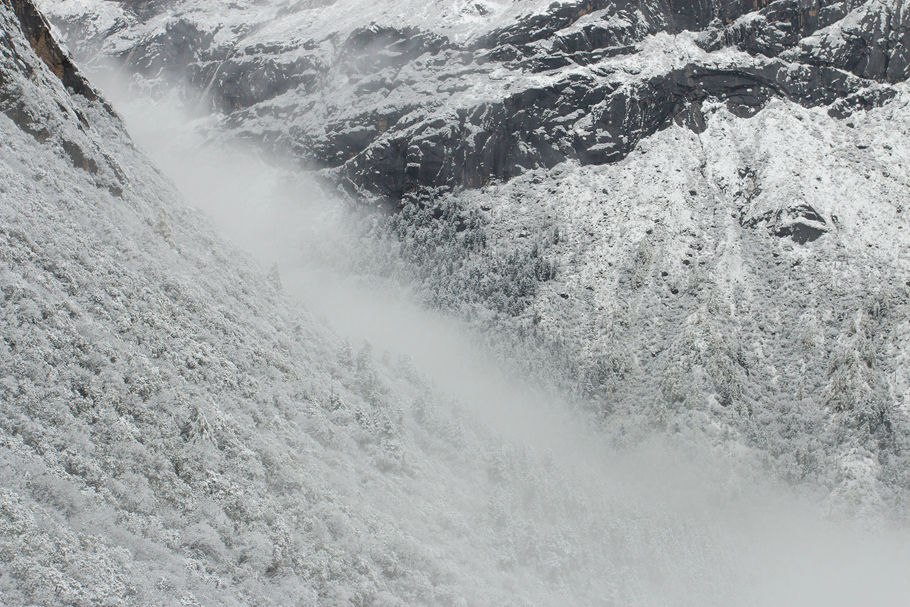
(221, 383)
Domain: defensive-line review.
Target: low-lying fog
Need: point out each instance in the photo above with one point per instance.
(668, 522)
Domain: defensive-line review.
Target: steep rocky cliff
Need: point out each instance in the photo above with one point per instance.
(395, 100)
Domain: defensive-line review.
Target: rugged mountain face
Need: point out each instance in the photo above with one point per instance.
(174, 429)
(696, 206)
(37, 30)
(397, 104)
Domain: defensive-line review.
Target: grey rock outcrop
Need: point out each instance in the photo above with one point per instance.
(335, 101)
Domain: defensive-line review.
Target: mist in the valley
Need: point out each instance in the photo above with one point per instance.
(671, 521)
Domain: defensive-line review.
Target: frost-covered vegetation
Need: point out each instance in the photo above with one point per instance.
(176, 428)
(740, 273)
(671, 297)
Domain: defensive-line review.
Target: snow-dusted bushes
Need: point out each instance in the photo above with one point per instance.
(448, 246)
(650, 296)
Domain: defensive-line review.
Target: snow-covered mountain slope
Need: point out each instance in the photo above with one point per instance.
(727, 280)
(696, 207)
(393, 97)
(176, 430)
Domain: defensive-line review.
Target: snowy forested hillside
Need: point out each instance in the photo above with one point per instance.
(693, 211)
(697, 388)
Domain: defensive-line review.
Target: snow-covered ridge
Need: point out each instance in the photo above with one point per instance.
(361, 89)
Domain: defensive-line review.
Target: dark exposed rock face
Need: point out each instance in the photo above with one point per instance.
(776, 26)
(25, 87)
(800, 222)
(874, 45)
(37, 30)
(536, 127)
(540, 127)
(878, 47)
(643, 16)
(330, 100)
